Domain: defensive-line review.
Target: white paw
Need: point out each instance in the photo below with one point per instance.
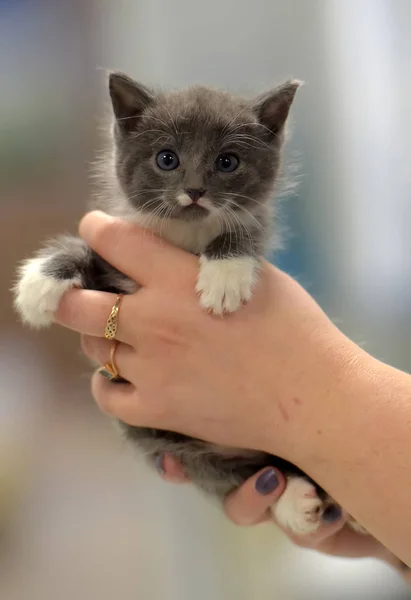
(299, 508)
(37, 295)
(224, 284)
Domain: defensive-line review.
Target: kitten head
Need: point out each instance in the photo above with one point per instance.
(196, 152)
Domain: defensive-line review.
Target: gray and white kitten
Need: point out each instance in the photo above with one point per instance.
(198, 167)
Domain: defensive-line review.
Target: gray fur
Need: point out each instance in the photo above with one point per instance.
(197, 124)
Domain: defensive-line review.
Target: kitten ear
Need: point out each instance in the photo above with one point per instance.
(129, 99)
(273, 107)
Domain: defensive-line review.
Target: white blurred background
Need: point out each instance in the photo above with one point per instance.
(80, 516)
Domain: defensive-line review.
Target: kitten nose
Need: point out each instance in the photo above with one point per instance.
(195, 193)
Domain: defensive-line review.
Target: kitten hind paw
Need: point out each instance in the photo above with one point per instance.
(299, 509)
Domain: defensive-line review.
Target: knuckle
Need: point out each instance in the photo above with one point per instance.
(104, 232)
(169, 337)
(162, 323)
(167, 332)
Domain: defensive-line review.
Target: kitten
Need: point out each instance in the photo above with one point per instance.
(198, 167)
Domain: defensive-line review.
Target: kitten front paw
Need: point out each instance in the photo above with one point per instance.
(37, 295)
(299, 509)
(224, 284)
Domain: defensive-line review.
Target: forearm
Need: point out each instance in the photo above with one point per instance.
(273, 376)
(358, 447)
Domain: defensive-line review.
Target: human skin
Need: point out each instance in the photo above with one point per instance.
(276, 376)
(249, 506)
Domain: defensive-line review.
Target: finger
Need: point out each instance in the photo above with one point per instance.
(87, 311)
(250, 504)
(136, 252)
(170, 469)
(120, 356)
(99, 351)
(115, 399)
(122, 400)
(348, 543)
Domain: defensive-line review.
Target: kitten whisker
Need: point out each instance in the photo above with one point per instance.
(152, 118)
(243, 228)
(152, 202)
(246, 211)
(152, 219)
(256, 124)
(226, 223)
(233, 120)
(128, 118)
(165, 137)
(161, 122)
(142, 192)
(235, 194)
(246, 145)
(135, 136)
(233, 227)
(164, 218)
(243, 137)
(173, 122)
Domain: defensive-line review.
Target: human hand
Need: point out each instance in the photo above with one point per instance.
(250, 505)
(276, 376)
(251, 379)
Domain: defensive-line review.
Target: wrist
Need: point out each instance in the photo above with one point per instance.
(312, 417)
(335, 416)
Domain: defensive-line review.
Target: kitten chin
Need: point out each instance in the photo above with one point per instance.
(167, 152)
(192, 236)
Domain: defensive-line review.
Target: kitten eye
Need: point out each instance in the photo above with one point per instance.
(227, 163)
(167, 160)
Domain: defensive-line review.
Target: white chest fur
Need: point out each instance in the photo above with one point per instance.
(193, 236)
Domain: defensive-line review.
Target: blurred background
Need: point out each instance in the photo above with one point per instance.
(80, 516)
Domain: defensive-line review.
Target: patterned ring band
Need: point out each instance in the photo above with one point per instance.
(111, 325)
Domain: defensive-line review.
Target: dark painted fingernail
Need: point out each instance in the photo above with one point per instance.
(160, 464)
(267, 482)
(332, 513)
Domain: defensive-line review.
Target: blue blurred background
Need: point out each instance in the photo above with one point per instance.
(80, 515)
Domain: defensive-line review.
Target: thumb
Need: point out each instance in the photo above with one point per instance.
(250, 503)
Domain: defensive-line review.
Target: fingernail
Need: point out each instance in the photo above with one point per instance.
(160, 465)
(332, 513)
(267, 482)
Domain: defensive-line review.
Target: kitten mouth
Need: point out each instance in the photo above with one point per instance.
(189, 209)
(194, 211)
(195, 206)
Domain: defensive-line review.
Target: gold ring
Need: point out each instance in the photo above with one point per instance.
(111, 325)
(110, 371)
